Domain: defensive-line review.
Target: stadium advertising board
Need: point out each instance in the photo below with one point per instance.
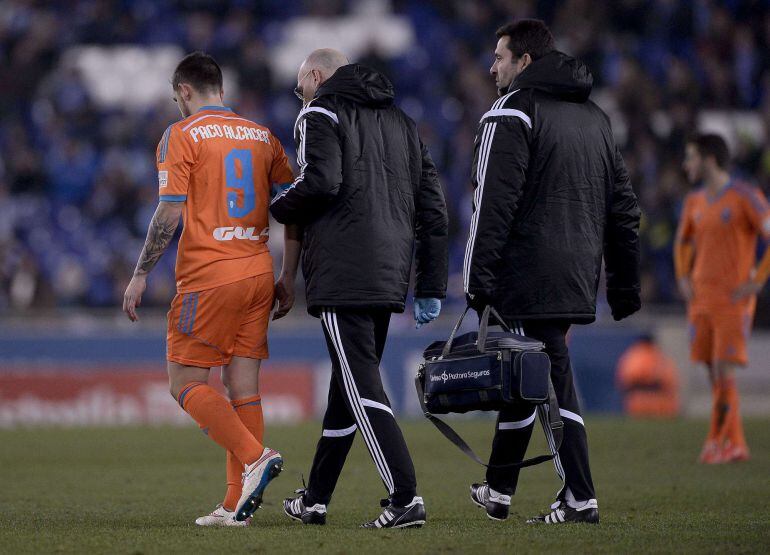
(130, 395)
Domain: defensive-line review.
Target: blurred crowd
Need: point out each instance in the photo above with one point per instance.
(78, 183)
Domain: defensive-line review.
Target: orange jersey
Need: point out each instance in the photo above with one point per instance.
(723, 231)
(222, 166)
(650, 381)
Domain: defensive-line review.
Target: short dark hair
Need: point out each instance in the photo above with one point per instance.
(711, 144)
(199, 70)
(530, 36)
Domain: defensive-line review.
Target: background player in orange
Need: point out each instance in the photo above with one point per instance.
(714, 255)
(215, 169)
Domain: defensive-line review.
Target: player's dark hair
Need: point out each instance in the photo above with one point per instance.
(711, 144)
(200, 71)
(530, 36)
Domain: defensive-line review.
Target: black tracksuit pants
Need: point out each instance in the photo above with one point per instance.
(357, 401)
(514, 427)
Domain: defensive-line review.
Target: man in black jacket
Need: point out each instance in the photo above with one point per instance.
(552, 197)
(369, 199)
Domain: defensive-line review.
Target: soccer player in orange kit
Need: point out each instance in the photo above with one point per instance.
(216, 169)
(714, 256)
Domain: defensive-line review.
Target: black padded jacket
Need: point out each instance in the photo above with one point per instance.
(368, 198)
(551, 198)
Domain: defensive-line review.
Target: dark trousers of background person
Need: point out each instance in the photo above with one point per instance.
(514, 427)
(357, 401)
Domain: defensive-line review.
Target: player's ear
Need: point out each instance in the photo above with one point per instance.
(185, 91)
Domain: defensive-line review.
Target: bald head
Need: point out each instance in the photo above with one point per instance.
(326, 60)
(317, 68)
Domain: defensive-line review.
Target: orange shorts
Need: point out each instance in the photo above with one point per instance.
(208, 328)
(720, 337)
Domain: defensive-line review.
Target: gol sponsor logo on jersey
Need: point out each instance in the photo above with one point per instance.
(248, 234)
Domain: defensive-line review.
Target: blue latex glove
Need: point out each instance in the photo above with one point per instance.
(426, 310)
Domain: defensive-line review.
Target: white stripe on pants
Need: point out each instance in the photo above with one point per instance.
(359, 412)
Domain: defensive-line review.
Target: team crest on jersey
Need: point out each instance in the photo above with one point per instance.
(162, 178)
(726, 215)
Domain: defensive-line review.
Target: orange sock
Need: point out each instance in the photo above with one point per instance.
(249, 410)
(234, 482)
(733, 426)
(717, 410)
(215, 414)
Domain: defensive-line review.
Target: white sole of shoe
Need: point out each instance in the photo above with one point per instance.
(221, 524)
(413, 524)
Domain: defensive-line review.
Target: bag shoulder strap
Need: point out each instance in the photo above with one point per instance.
(554, 418)
(481, 339)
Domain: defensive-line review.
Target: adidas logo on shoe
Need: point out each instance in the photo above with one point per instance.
(412, 515)
(562, 513)
(496, 504)
(295, 508)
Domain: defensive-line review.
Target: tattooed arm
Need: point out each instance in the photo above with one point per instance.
(162, 227)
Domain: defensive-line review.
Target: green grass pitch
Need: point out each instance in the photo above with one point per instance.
(138, 490)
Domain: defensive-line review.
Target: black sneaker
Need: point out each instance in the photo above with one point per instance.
(561, 513)
(496, 504)
(295, 508)
(413, 515)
